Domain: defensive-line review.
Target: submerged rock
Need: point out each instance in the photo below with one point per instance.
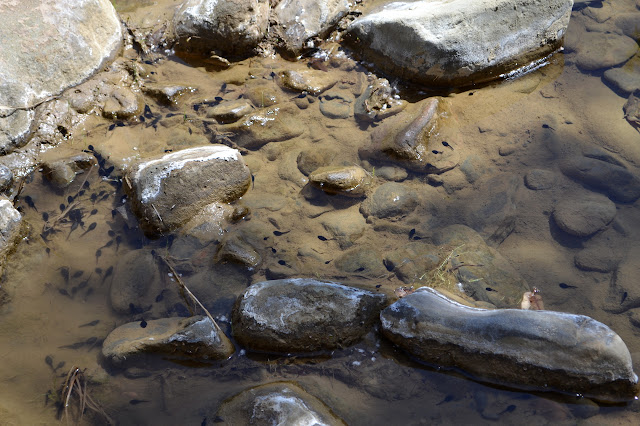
(530, 349)
(281, 403)
(175, 338)
(584, 216)
(264, 126)
(599, 50)
(169, 190)
(632, 108)
(309, 81)
(61, 167)
(617, 182)
(627, 77)
(135, 274)
(390, 200)
(10, 227)
(352, 181)
(303, 315)
(458, 42)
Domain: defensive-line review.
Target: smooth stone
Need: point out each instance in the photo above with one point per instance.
(346, 226)
(10, 229)
(309, 81)
(336, 105)
(224, 27)
(539, 180)
(631, 108)
(600, 50)
(627, 77)
(615, 181)
(210, 223)
(541, 350)
(280, 403)
(166, 95)
(193, 338)
(298, 21)
(395, 174)
(235, 249)
(264, 126)
(135, 274)
(629, 24)
(312, 159)
(63, 168)
(597, 259)
(361, 261)
(169, 190)
(390, 200)
(302, 315)
(351, 181)
(230, 111)
(583, 216)
(262, 95)
(15, 128)
(6, 177)
(424, 41)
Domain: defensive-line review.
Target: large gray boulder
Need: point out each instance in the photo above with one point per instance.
(280, 403)
(10, 229)
(48, 46)
(169, 190)
(529, 349)
(227, 27)
(459, 42)
(175, 338)
(303, 315)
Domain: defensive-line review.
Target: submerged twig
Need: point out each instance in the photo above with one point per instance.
(76, 383)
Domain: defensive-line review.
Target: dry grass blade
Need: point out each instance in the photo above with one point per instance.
(184, 288)
(76, 385)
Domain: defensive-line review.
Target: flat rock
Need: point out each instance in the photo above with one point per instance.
(230, 111)
(15, 127)
(459, 43)
(225, 27)
(167, 191)
(615, 181)
(542, 350)
(346, 226)
(351, 181)
(390, 200)
(583, 216)
(279, 403)
(174, 338)
(135, 274)
(361, 261)
(336, 104)
(303, 315)
(627, 77)
(538, 179)
(309, 81)
(263, 126)
(10, 229)
(600, 50)
(312, 159)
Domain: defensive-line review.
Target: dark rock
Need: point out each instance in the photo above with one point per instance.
(303, 315)
(538, 179)
(530, 349)
(412, 262)
(583, 216)
(618, 183)
(351, 181)
(168, 191)
(624, 293)
(235, 249)
(173, 338)
(135, 274)
(280, 403)
(390, 200)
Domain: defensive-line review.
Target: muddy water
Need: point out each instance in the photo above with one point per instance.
(60, 284)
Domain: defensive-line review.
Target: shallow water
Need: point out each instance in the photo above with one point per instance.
(505, 130)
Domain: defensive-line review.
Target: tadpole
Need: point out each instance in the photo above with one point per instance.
(90, 228)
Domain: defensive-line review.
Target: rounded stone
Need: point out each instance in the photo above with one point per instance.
(391, 199)
(584, 216)
(352, 181)
(539, 179)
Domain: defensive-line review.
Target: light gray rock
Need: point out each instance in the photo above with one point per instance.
(168, 191)
(457, 42)
(6, 177)
(15, 127)
(351, 181)
(530, 349)
(615, 181)
(303, 315)
(390, 200)
(173, 338)
(232, 27)
(280, 403)
(10, 229)
(600, 50)
(583, 216)
(297, 21)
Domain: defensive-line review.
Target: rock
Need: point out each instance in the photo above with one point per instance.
(312, 159)
(583, 216)
(166, 95)
(345, 226)
(600, 50)
(235, 249)
(193, 338)
(483, 273)
(627, 77)
(416, 140)
(264, 126)
(224, 27)
(6, 178)
(538, 179)
(531, 349)
(390, 200)
(298, 21)
(74, 38)
(135, 274)
(15, 127)
(280, 403)
(210, 223)
(377, 102)
(352, 181)
(628, 23)
(624, 293)
(169, 190)
(395, 174)
(412, 262)
(596, 259)
(334, 104)
(361, 261)
(262, 95)
(632, 109)
(62, 167)
(615, 181)
(303, 315)
(456, 43)
(10, 229)
(230, 111)
(310, 81)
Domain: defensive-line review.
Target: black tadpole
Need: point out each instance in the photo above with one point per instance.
(564, 285)
(90, 228)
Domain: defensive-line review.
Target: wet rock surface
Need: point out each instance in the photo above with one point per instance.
(531, 349)
(193, 338)
(421, 41)
(283, 403)
(10, 223)
(134, 276)
(390, 200)
(351, 181)
(617, 182)
(303, 315)
(625, 78)
(605, 51)
(538, 180)
(583, 216)
(167, 191)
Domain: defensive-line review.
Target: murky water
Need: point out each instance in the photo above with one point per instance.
(59, 285)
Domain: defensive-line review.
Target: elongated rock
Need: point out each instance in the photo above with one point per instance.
(303, 315)
(529, 349)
